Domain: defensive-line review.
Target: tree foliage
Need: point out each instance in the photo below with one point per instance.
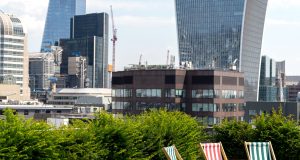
(233, 134)
(24, 139)
(283, 132)
(141, 137)
(106, 137)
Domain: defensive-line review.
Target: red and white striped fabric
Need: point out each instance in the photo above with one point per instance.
(212, 151)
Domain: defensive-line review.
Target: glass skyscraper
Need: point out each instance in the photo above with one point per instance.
(215, 33)
(89, 40)
(57, 24)
(270, 71)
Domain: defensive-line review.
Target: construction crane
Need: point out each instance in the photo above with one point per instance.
(114, 39)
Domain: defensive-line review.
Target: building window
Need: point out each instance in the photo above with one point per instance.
(241, 94)
(229, 107)
(202, 80)
(122, 93)
(170, 93)
(150, 93)
(58, 111)
(37, 111)
(47, 111)
(229, 94)
(180, 93)
(204, 107)
(170, 79)
(203, 93)
(25, 112)
(121, 105)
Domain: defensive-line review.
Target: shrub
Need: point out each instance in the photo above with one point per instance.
(25, 139)
(232, 134)
(161, 128)
(282, 131)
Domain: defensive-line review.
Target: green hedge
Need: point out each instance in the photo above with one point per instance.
(283, 132)
(141, 137)
(106, 137)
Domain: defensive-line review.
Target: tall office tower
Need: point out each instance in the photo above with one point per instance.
(57, 24)
(13, 54)
(41, 70)
(267, 88)
(223, 33)
(85, 54)
(272, 80)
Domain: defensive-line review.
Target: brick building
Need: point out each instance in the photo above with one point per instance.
(209, 95)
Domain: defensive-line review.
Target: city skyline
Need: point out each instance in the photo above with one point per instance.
(140, 23)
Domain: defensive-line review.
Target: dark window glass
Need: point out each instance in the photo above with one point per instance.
(117, 80)
(203, 80)
(170, 79)
(128, 80)
(47, 111)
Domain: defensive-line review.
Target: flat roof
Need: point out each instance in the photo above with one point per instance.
(34, 107)
(83, 91)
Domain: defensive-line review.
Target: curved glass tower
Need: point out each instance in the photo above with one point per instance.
(57, 24)
(216, 33)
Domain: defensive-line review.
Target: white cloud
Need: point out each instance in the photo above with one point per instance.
(32, 13)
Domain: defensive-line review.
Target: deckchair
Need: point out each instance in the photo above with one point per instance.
(172, 153)
(213, 151)
(259, 151)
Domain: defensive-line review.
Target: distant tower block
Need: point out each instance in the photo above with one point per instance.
(57, 24)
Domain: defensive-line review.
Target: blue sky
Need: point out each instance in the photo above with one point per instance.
(148, 27)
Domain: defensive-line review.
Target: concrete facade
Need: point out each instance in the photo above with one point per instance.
(14, 54)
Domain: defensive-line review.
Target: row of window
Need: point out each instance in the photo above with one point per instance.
(64, 98)
(26, 112)
(5, 65)
(196, 107)
(226, 94)
(13, 40)
(141, 106)
(11, 72)
(210, 107)
(12, 53)
(9, 46)
(148, 93)
(8, 59)
(180, 93)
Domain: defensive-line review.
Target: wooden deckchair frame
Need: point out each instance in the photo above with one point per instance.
(201, 146)
(270, 148)
(178, 156)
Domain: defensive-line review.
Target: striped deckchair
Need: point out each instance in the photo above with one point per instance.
(213, 151)
(259, 151)
(172, 153)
